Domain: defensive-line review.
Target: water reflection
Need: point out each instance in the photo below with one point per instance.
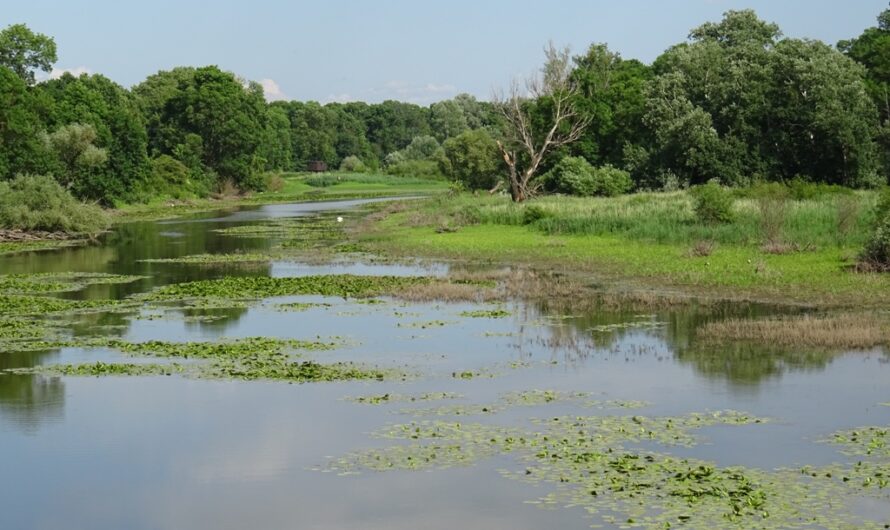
(29, 401)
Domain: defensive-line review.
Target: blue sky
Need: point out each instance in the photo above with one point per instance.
(340, 50)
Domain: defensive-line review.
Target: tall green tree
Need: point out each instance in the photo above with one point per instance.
(739, 104)
(23, 51)
(21, 150)
(611, 96)
(392, 125)
(472, 158)
(112, 111)
(229, 118)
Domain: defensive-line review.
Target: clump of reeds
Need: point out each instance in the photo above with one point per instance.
(850, 330)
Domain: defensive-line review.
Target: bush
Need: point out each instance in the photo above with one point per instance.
(876, 255)
(274, 183)
(532, 214)
(322, 181)
(712, 203)
(171, 178)
(426, 169)
(612, 181)
(803, 190)
(573, 175)
(353, 164)
(38, 202)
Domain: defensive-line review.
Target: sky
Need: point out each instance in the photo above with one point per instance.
(417, 51)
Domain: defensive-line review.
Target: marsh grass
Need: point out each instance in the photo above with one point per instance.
(666, 218)
(849, 330)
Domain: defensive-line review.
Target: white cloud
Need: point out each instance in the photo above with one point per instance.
(272, 91)
(76, 72)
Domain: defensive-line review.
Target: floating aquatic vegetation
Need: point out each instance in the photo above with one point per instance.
(298, 306)
(17, 329)
(541, 397)
(864, 441)
(21, 305)
(216, 259)
(282, 369)
(57, 282)
(587, 461)
(16, 247)
(425, 324)
(179, 317)
(403, 398)
(219, 349)
(105, 369)
(344, 285)
(453, 410)
(483, 313)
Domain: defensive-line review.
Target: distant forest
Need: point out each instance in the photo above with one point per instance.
(735, 102)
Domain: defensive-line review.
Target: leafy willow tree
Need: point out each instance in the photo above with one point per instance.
(471, 158)
(823, 119)
(447, 119)
(75, 149)
(112, 111)
(23, 51)
(739, 104)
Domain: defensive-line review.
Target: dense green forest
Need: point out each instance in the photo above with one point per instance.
(735, 102)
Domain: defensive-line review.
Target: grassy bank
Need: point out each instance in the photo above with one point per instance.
(654, 240)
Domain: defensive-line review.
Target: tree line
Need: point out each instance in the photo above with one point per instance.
(736, 102)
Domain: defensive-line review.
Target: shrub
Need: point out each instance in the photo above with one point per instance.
(171, 178)
(322, 181)
(773, 212)
(532, 214)
(803, 190)
(573, 175)
(612, 181)
(353, 164)
(876, 255)
(274, 183)
(426, 169)
(712, 203)
(38, 202)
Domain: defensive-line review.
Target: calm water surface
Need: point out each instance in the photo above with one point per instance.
(169, 452)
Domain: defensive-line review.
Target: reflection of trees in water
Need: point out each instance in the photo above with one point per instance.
(28, 401)
(579, 334)
(749, 364)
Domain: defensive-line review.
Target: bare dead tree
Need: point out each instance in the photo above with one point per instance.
(527, 144)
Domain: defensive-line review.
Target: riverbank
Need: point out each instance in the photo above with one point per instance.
(647, 241)
(294, 188)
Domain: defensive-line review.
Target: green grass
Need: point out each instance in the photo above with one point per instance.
(648, 237)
